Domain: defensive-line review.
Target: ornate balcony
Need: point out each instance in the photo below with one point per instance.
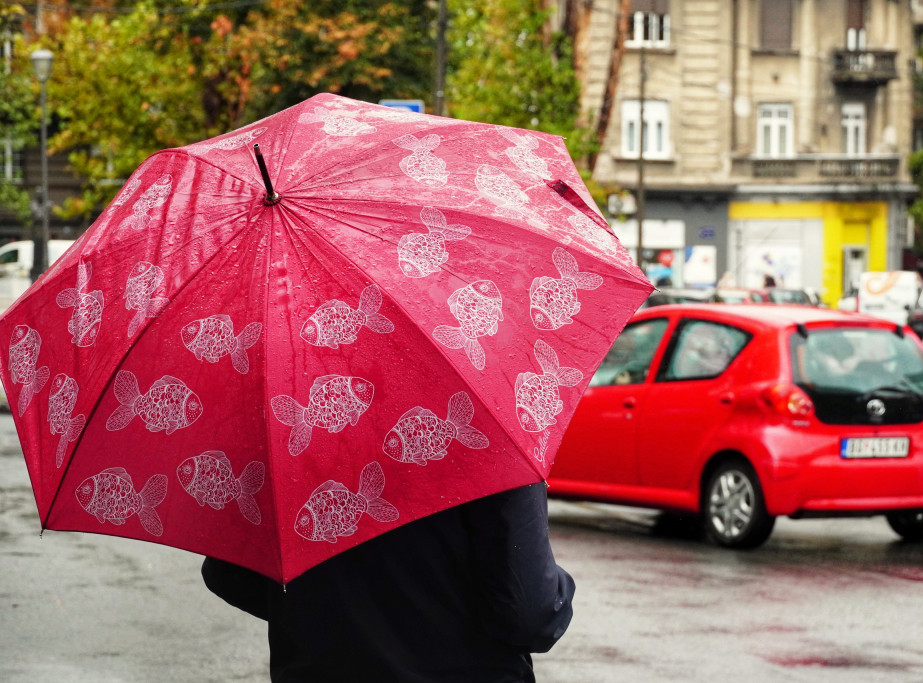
(871, 67)
(823, 168)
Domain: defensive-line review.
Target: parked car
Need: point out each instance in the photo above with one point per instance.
(782, 295)
(679, 295)
(742, 296)
(746, 413)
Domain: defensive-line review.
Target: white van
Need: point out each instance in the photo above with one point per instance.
(16, 267)
(893, 295)
(16, 257)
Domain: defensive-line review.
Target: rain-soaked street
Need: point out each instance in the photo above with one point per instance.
(821, 601)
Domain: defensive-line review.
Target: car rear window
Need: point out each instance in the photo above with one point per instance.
(842, 367)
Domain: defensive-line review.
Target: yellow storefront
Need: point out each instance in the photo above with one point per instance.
(827, 243)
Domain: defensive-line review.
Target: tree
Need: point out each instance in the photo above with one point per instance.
(18, 119)
(123, 87)
(363, 49)
(140, 77)
(507, 68)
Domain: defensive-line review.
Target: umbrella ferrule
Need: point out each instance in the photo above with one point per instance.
(271, 197)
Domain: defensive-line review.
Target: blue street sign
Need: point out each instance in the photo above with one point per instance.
(416, 106)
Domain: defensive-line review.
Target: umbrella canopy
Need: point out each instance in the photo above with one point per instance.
(404, 323)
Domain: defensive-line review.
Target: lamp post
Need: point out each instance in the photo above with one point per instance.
(41, 67)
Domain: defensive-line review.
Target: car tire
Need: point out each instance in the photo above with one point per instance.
(908, 524)
(733, 509)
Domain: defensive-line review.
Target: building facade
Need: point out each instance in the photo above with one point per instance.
(759, 137)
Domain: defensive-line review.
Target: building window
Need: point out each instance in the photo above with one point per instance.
(775, 134)
(10, 162)
(656, 129)
(649, 23)
(776, 24)
(855, 24)
(854, 127)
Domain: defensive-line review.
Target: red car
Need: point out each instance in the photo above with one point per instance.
(745, 413)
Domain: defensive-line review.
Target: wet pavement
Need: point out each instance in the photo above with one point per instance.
(823, 600)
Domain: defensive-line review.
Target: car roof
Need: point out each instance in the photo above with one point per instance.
(780, 316)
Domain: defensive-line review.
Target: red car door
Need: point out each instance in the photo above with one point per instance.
(689, 399)
(599, 445)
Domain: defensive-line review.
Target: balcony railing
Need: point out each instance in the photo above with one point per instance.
(874, 67)
(824, 168)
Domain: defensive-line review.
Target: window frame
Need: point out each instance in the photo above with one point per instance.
(774, 124)
(657, 129)
(854, 129)
(647, 25)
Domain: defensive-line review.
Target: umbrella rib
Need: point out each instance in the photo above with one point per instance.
(147, 323)
(438, 347)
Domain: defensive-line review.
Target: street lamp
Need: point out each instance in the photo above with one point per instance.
(41, 67)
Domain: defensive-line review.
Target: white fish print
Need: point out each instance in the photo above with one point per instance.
(335, 401)
(142, 282)
(25, 345)
(128, 189)
(420, 254)
(523, 155)
(154, 196)
(212, 338)
(61, 402)
(333, 510)
(499, 188)
(419, 435)
(208, 478)
(168, 405)
(335, 322)
(394, 115)
(538, 399)
(479, 309)
(227, 144)
(340, 123)
(423, 166)
(110, 496)
(600, 238)
(88, 308)
(554, 301)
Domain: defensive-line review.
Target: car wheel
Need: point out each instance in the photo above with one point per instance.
(734, 511)
(908, 524)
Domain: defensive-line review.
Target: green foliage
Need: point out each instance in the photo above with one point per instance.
(915, 166)
(507, 71)
(18, 123)
(506, 68)
(122, 89)
(363, 49)
(138, 77)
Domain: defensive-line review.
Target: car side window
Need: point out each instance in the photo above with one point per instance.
(702, 350)
(629, 359)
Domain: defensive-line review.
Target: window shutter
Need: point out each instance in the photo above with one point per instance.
(656, 6)
(776, 24)
(855, 14)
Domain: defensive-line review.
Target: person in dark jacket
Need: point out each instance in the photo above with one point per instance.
(464, 595)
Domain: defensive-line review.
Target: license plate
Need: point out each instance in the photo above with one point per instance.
(875, 447)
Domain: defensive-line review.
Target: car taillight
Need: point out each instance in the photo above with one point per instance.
(789, 400)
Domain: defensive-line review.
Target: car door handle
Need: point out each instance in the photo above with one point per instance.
(726, 398)
(629, 402)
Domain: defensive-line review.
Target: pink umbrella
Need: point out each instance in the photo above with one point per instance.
(403, 321)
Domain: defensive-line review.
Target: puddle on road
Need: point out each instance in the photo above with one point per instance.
(839, 662)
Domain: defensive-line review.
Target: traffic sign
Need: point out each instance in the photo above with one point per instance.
(415, 106)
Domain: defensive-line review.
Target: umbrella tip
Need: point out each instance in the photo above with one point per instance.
(271, 197)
